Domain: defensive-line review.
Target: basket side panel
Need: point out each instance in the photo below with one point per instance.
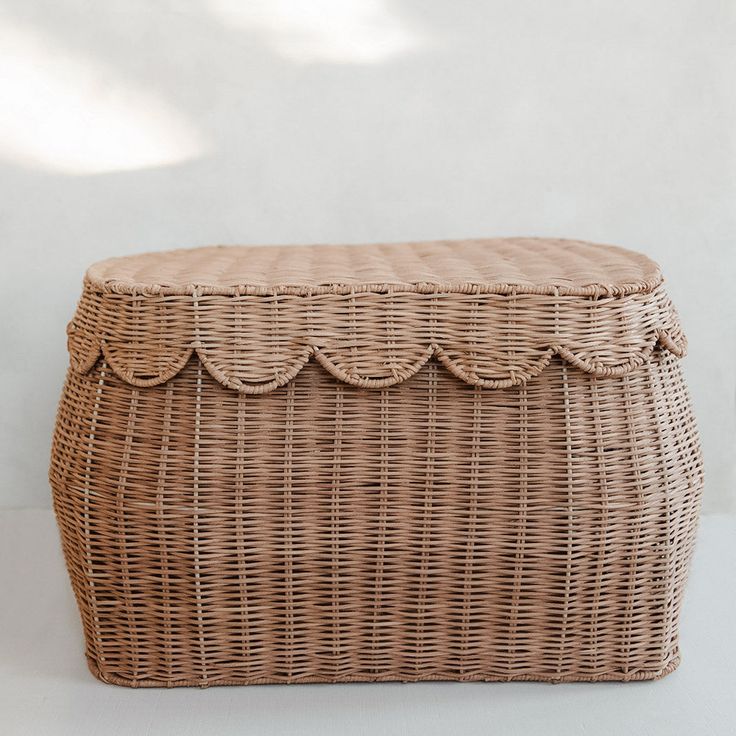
(431, 530)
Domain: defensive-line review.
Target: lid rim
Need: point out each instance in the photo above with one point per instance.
(543, 266)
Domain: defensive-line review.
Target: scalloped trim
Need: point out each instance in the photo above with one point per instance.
(677, 345)
(254, 346)
(122, 371)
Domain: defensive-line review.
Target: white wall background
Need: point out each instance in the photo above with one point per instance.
(132, 125)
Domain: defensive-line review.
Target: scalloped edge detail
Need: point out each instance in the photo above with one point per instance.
(125, 374)
(678, 347)
(253, 388)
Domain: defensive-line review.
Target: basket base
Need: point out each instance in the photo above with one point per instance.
(634, 676)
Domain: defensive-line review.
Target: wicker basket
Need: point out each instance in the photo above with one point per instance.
(469, 460)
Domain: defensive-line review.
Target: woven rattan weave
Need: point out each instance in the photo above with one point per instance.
(470, 460)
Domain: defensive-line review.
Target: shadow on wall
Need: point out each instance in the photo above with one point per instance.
(131, 122)
(90, 111)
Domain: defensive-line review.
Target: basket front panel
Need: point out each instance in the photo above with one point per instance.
(430, 530)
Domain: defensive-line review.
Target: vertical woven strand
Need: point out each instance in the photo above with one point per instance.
(288, 516)
(522, 526)
(335, 534)
(163, 538)
(241, 542)
(196, 532)
(602, 550)
(668, 542)
(469, 572)
(122, 517)
(627, 630)
(426, 520)
(570, 530)
(377, 636)
(87, 534)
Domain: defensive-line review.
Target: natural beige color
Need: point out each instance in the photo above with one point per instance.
(470, 460)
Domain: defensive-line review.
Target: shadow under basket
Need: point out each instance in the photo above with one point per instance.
(467, 460)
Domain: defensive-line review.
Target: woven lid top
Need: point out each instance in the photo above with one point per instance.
(493, 312)
(524, 265)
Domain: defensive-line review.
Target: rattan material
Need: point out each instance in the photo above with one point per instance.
(467, 460)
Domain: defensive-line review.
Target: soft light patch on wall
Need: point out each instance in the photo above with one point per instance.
(352, 31)
(65, 112)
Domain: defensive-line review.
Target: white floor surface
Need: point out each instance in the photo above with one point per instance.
(45, 687)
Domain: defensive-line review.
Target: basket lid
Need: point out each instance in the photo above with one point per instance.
(493, 311)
